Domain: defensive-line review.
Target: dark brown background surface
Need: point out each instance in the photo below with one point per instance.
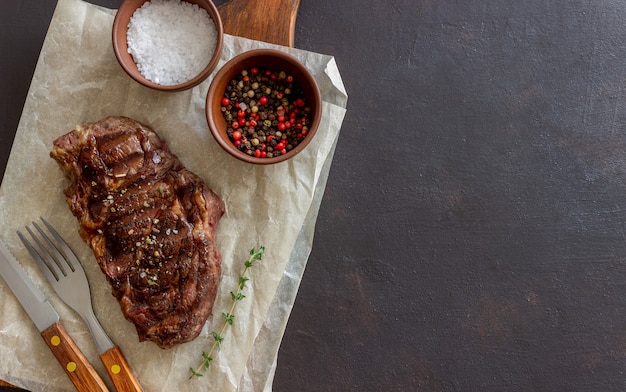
(472, 236)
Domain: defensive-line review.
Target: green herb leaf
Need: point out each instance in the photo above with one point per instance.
(229, 317)
(218, 338)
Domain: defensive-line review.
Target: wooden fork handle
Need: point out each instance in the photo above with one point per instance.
(76, 366)
(119, 371)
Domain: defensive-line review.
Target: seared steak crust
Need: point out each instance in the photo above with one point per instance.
(150, 223)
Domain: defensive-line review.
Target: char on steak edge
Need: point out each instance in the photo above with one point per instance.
(150, 223)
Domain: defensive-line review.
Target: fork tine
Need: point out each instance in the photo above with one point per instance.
(49, 271)
(52, 250)
(69, 254)
(45, 253)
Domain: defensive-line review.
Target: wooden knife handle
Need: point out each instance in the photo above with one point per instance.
(75, 364)
(119, 371)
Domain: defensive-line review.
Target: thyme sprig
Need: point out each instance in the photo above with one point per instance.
(229, 317)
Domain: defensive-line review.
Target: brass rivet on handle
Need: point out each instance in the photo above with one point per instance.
(116, 369)
(71, 366)
(55, 340)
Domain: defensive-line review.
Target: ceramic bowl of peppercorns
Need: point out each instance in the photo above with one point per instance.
(168, 45)
(263, 106)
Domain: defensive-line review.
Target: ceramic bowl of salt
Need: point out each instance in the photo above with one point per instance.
(168, 45)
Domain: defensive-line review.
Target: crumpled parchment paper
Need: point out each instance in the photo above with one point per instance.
(78, 79)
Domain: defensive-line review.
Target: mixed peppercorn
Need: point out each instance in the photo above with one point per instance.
(266, 112)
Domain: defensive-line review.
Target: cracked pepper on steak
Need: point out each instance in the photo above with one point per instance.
(150, 223)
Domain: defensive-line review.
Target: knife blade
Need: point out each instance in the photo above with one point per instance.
(46, 319)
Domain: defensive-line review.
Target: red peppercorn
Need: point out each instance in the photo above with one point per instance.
(263, 154)
(241, 113)
(242, 122)
(246, 78)
(281, 119)
(236, 135)
(252, 123)
(225, 101)
(281, 126)
(280, 94)
(299, 102)
(235, 125)
(263, 100)
(254, 70)
(257, 153)
(289, 78)
(287, 124)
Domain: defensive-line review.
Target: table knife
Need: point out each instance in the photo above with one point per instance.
(46, 319)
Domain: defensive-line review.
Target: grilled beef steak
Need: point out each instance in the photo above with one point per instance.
(150, 223)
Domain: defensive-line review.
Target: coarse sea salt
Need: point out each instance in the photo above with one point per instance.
(171, 41)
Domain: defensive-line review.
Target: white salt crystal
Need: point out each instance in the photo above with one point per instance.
(171, 41)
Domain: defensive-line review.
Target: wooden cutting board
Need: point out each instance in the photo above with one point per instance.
(272, 21)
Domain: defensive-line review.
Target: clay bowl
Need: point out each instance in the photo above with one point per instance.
(120, 45)
(269, 59)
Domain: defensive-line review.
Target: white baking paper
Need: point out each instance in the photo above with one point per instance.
(78, 79)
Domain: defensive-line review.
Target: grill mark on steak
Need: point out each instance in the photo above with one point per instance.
(150, 223)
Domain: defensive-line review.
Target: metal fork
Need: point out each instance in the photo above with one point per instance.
(67, 277)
